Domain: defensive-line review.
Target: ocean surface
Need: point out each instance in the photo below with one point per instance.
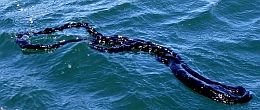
(220, 39)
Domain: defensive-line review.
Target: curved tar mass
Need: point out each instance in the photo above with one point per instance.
(116, 43)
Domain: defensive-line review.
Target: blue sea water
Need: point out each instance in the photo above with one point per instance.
(217, 38)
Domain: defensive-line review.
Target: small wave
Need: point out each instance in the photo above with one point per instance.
(28, 99)
(237, 13)
(192, 10)
(205, 7)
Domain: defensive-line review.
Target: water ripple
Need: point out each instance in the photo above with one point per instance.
(238, 14)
